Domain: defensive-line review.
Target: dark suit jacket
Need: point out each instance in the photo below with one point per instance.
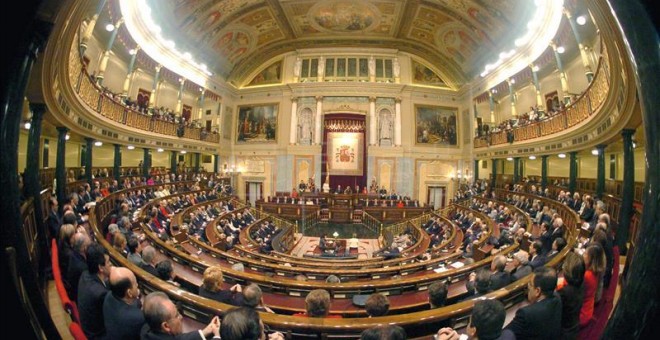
(538, 261)
(54, 222)
(149, 268)
(147, 334)
(91, 293)
(571, 302)
(77, 265)
(224, 296)
(121, 321)
(541, 320)
(499, 280)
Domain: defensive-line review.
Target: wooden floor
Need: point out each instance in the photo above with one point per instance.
(57, 313)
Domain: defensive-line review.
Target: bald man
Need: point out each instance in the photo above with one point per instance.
(164, 321)
(122, 315)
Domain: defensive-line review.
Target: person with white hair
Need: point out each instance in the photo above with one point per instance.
(521, 266)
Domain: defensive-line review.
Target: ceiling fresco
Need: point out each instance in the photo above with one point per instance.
(236, 36)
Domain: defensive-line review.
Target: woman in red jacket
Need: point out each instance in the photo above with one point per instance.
(594, 262)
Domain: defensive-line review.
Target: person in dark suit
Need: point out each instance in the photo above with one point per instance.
(77, 263)
(478, 284)
(163, 321)
(542, 318)
(148, 259)
(485, 323)
(522, 267)
(498, 277)
(537, 257)
(545, 238)
(122, 316)
(323, 243)
(54, 220)
(211, 288)
(92, 289)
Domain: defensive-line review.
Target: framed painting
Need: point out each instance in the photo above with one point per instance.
(257, 124)
(435, 125)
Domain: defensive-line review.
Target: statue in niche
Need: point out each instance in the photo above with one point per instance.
(297, 67)
(372, 66)
(305, 127)
(385, 128)
(396, 67)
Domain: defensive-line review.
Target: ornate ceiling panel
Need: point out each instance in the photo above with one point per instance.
(235, 35)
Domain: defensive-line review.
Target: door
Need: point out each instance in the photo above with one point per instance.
(436, 197)
(253, 192)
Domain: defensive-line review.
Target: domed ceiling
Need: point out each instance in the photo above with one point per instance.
(236, 36)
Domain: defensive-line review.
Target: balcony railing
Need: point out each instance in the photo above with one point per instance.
(98, 101)
(584, 106)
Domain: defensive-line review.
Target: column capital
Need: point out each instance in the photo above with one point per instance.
(544, 157)
(158, 67)
(117, 145)
(318, 98)
(601, 147)
(62, 129)
(568, 13)
(627, 133)
(38, 109)
(294, 98)
(89, 140)
(372, 98)
(398, 100)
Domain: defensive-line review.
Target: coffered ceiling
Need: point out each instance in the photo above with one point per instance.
(234, 37)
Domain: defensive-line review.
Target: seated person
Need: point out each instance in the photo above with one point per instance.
(317, 305)
(163, 320)
(390, 332)
(486, 322)
(244, 324)
(377, 305)
(352, 243)
(211, 288)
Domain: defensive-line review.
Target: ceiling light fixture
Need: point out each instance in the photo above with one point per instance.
(27, 125)
(160, 150)
(130, 147)
(183, 152)
(561, 49)
(98, 143)
(509, 159)
(561, 155)
(67, 137)
(581, 20)
(109, 27)
(532, 157)
(594, 152)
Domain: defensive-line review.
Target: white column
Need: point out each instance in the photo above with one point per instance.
(319, 120)
(294, 120)
(397, 122)
(372, 121)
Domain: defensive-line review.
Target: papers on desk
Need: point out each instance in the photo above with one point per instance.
(441, 269)
(457, 264)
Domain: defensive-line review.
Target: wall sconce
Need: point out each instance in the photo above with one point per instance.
(27, 124)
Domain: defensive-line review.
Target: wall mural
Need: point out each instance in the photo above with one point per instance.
(270, 75)
(424, 75)
(435, 125)
(343, 16)
(257, 123)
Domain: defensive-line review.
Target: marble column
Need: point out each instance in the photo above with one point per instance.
(31, 179)
(572, 171)
(154, 88)
(103, 64)
(516, 170)
(319, 120)
(493, 179)
(372, 121)
(200, 112)
(129, 74)
(636, 313)
(146, 163)
(491, 106)
(537, 87)
(294, 121)
(28, 308)
(116, 166)
(216, 163)
(600, 178)
(173, 161)
(197, 157)
(60, 166)
(90, 26)
(512, 97)
(544, 172)
(588, 71)
(628, 191)
(397, 122)
(89, 145)
(179, 100)
(476, 170)
(566, 99)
